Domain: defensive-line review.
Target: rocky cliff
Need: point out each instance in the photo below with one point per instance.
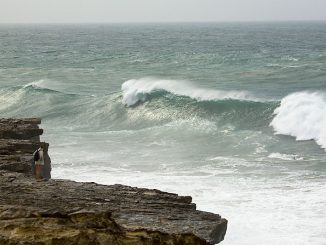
(67, 212)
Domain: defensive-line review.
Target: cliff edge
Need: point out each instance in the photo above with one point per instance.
(68, 212)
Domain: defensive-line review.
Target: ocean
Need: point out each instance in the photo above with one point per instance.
(232, 114)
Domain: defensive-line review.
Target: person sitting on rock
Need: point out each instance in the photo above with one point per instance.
(39, 163)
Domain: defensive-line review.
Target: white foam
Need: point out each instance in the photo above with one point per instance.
(289, 58)
(35, 84)
(135, 91)
(303, 116)
(287, 157)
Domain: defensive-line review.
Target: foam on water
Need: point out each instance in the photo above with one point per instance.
(282, 156)
(303, 116)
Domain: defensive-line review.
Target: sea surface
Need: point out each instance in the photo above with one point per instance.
(233, 114)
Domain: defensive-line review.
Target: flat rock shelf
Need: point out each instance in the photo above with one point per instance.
(68, 212)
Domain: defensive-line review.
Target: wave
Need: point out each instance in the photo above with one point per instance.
(53, 86)
(139, 90)
(31, 97)
(35, 84)
(303, 116)
(169, 100)
(106, 112)
(41, 85)
(47, 85)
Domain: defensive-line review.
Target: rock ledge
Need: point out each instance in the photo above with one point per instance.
(68, 212)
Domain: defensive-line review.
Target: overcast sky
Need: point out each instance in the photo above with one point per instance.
(54, 11)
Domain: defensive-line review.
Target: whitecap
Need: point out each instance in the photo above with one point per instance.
(35, 84)
(303, 116)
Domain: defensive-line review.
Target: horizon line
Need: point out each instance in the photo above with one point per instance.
(164, 22)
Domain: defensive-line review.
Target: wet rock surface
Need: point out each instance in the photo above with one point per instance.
(68, 212)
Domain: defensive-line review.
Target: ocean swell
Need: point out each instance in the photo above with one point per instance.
(303, 116)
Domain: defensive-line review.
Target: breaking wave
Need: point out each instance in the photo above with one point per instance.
(303, 116)
(35, 84)
(45, 85)
(138, 90)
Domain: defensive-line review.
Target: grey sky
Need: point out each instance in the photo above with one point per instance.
(54, 11)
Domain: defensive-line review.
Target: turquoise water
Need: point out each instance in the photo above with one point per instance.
(231, 114)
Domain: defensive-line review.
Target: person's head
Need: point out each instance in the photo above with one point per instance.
(41, 146)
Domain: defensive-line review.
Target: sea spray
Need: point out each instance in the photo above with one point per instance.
(35, 84)
(9, 98)
(303, 116)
